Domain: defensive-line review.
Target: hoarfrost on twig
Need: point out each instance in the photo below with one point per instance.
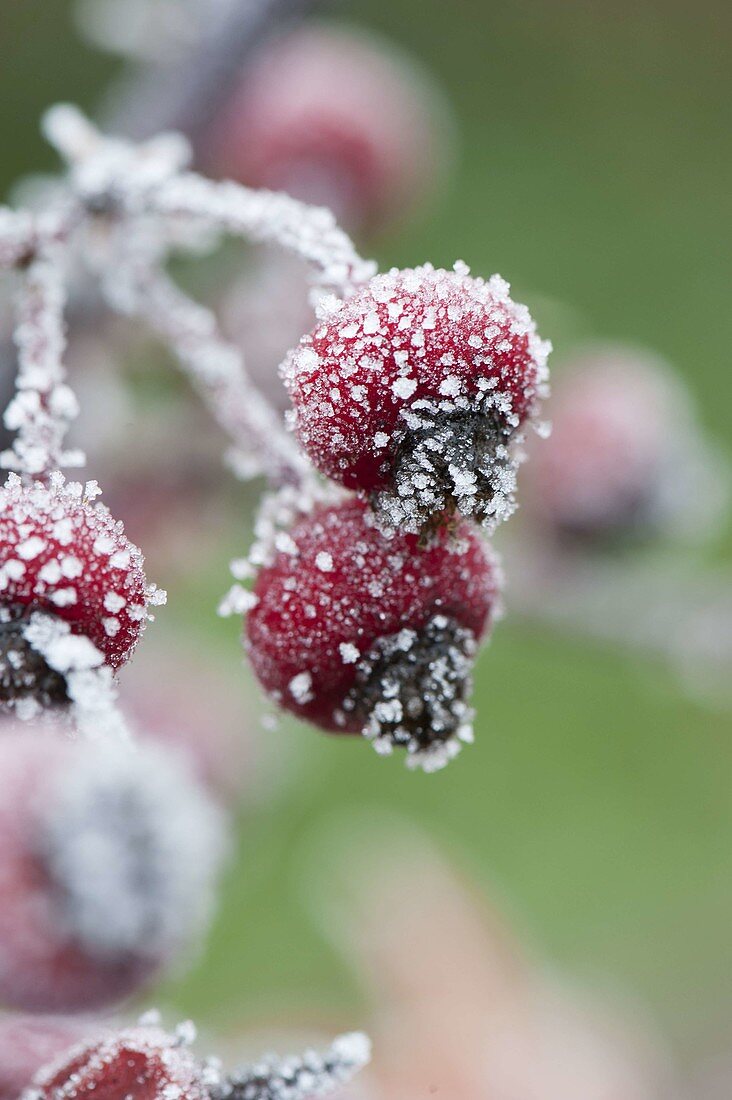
(43, 405)
(216, 369)
(152, 207)
(89, 682)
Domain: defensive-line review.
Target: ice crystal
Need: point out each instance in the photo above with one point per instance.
(133, 845)
(311, 1075)
(412, 689)
(43, 406)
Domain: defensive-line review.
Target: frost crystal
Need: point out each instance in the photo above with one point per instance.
(43, 406)
(134, 847)
(312, 1075)
(411, 689)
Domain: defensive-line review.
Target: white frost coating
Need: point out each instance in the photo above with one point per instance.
(324, 561)
(43, 405)
(237, 601)
(309, 1076)
(89, 683)
(136, 846)
(349, 653)
(110, 1051)
(301, 687)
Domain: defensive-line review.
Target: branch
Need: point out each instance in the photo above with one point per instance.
(216, 369)
(43, 406)
(310, 232)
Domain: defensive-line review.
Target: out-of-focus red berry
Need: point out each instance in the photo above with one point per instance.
(414, 389)
(335, 118)
(108, 859)
(356, 632)
(624, 460)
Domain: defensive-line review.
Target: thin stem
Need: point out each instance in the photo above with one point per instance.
(43, 406)
(310, 232)
(217, 371)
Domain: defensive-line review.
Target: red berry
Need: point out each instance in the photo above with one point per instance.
(106, 867)
(333, 118)
(137, 1063)
(66, 557)
(414, 390)
(146, 1063)
(356, 632)
(623, 461)
(29, 1043)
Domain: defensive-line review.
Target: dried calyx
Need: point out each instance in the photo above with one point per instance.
(451, 460)
(412, 688)
(24, 672)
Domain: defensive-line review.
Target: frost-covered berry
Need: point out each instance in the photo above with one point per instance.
(334, 118)
(135, 1063)
(414, 390)
(108, 858)
(65, 556)
(147, 1063)
(624, 461)
(30, 1043)
(356, 632)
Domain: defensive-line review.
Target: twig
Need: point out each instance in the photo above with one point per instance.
(43, 406)
(217, 371)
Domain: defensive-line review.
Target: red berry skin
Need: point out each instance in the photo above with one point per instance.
(60, 803)
(343, 587)
(412, 339)
(68, 557)
(29, 1043)
(333, 118)
(138, 1063)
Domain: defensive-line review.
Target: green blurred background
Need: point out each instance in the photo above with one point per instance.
(594, 173)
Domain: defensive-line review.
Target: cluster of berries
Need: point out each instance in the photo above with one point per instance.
(110, 848)
(412, 393)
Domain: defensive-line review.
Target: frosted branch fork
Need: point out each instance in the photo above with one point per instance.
(149, 206)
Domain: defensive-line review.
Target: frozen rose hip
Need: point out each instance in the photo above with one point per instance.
(334, 118)
(147, 1063)
(65, 556)
(107, 865)
(624, 461)
(414, 391)
(136, 1063)
(355, 632)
